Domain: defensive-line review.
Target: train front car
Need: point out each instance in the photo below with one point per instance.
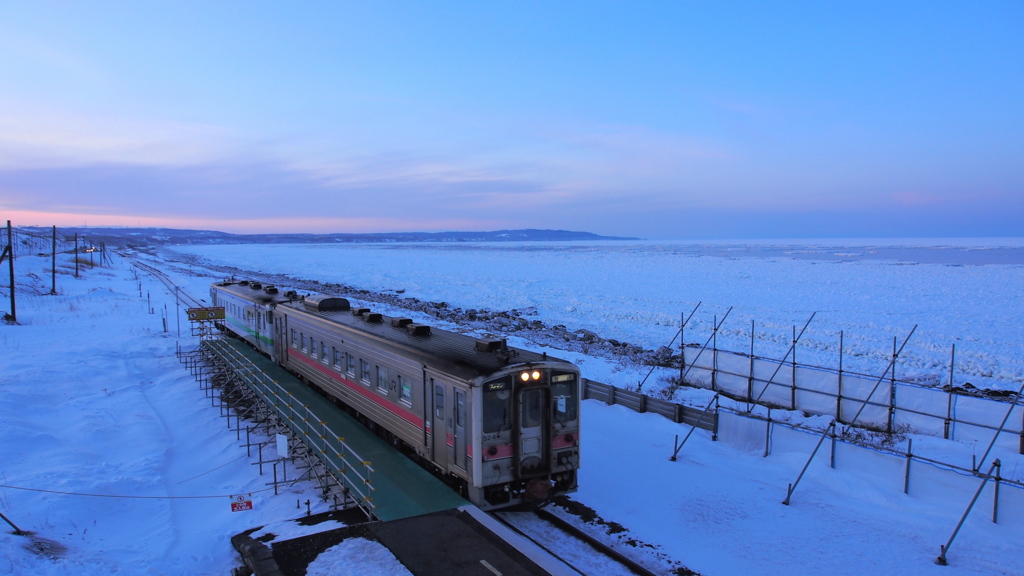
(499, 423)
(529, 423)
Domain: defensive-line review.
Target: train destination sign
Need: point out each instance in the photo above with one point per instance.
(200, 314)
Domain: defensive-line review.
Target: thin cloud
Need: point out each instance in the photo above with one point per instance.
(916, 198)
(34, 138)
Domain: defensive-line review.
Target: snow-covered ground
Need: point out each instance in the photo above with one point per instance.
(94, 401)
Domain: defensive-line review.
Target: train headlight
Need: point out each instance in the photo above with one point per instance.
(530, 375)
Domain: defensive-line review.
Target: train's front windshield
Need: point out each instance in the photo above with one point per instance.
(497, 401)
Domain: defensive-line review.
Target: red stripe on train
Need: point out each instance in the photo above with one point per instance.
(361, 390)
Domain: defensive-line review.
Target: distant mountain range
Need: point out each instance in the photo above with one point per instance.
(151, 236)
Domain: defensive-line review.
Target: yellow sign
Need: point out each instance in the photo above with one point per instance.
(203, 314)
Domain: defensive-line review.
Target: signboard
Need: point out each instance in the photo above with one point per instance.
(282, 446)
(240, 503)
(201, 314)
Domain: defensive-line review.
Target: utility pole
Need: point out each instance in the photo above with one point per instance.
(76, 254)
(53, 265)
(9, 253)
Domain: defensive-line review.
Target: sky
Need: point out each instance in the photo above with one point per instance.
(665, 120)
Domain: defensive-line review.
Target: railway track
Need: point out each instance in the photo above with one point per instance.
(164, 279)
(578, 553)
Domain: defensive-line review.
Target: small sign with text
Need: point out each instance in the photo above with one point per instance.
(240, 503)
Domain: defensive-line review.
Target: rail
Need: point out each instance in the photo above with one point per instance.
(331, 447)
(544, 543)
(185, 297)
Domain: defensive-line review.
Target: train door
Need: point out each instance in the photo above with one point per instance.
(459, 436)
(280, 342)
(257, 328)
(533, 425)
(442, 436)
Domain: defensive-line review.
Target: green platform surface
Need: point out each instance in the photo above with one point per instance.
(402, 489)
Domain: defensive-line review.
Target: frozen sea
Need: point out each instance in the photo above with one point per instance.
(966, 293)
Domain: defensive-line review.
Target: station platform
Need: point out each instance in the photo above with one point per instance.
(399, 488)
(458, 542)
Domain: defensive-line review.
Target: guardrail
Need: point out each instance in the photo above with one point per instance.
(638, 402)
(336, 455)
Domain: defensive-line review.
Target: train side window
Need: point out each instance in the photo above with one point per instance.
(302, 338)
(336, 355)
(350, 364)
(312, 347)
(382, 379)
(460, 409)
(295, 338)
(404, 390)
(323, 353)
(439, 401)
(364, 371)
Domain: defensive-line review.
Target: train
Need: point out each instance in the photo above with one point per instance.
(499, 423)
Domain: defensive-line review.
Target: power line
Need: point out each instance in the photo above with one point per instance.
(131, 497)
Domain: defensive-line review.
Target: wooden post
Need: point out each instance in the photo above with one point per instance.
(53, 265)
(10, 268)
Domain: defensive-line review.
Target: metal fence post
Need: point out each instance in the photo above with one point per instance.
(892, 388)
(906, 475)
(792, 487)
(792, 387)
(995, 495)
(839, 383)
(682, 346)
(832, 461)
(949, 397)
(941, 560)
(714, 353)
(714, 432)
(750, 378)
